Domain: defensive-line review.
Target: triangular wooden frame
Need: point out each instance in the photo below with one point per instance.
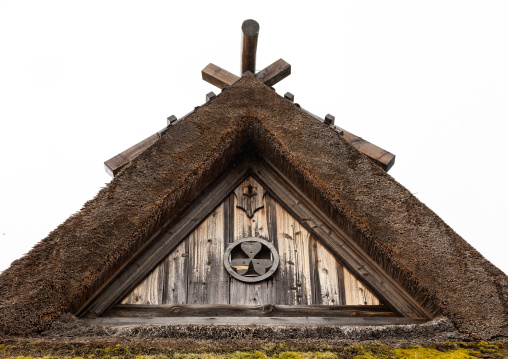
(295, 202)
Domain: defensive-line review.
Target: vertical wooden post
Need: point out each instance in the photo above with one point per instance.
(250, 30)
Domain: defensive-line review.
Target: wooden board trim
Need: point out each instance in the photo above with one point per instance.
(250, 321)
(268, 310)
(338, 242)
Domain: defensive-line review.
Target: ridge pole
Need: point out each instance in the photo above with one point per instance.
(250, 30)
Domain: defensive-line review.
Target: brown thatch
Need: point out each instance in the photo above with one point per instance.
(437, 267)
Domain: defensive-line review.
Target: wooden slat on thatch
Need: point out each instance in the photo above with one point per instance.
(381, 157)
(217, 76)
(115, 164)
(274, 73)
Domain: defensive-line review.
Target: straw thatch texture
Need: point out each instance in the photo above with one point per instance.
(437, 267)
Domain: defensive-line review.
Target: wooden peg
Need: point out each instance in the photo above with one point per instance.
(289, 96)
(329, 119)
(171, 119)
(210, 96)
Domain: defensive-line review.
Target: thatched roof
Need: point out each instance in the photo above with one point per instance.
(436, 266)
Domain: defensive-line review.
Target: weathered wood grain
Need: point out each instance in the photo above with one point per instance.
(356, 292)
(217, 76)
(208, 280)
(250, 321)
(274, 73)
(268, 310)
(329, 273)
(166, 284)
(147, 292)
(309, 273)
(292, 280)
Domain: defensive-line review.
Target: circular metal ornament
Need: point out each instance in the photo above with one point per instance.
(251, 259)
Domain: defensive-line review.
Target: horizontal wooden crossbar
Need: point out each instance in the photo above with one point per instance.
(269, 321)
(274, 73)
(379, 156)
(116, 163)
(270, 75)
(269, 310)
(217, 76)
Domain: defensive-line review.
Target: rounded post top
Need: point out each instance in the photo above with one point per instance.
(250, 27)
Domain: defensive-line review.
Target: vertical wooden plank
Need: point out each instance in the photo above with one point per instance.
(147, 292)
(166, 284)
(271, 219)
(301, 240)
(250, 293)
(317, 297)
(292, 280)
(330, 275)
(207, 277)
(229, 220)
(356, 292)
(175, 279)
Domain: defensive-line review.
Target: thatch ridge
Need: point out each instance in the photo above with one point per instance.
(437, 267)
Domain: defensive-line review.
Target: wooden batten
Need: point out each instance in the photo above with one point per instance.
(217, 76)
(379, 156)
(267, 310)
(274, 73)
(115, 164)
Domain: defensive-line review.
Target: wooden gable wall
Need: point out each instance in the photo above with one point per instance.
(194, 273)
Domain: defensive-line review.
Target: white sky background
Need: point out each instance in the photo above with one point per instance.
(82, 81)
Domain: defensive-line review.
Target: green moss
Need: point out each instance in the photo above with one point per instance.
(427, 353)
(289, 350)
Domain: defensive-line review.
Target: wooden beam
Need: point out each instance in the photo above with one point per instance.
(252, 321)
(115, 164)
(380, 157)
(250, 31)
(274, 73)
(228, 310)
(217, 76)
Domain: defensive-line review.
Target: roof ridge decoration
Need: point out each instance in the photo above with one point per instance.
(269, 76)
(412, 245)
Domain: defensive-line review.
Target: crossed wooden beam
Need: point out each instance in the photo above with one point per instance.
(270, 75)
